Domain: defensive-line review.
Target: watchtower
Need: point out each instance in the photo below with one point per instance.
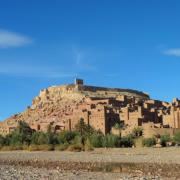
(79, 81)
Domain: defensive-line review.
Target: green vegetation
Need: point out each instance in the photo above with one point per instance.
(177, 138)
(96, 140)
(137, 131)
(127, 141)
(83, 138)
(66, 137)
(118, 126)
(111, 141)
(149, 142)
(164, 139)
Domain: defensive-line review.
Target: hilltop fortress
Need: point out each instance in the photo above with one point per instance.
(63, 106)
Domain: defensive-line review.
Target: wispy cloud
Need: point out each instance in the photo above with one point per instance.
(82, 59)
(31, 71)
(12, 39)
(172, 52)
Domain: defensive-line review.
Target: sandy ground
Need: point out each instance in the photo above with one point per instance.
(137, 163)
(154, 155)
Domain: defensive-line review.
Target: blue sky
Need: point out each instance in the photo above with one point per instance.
(126, 43)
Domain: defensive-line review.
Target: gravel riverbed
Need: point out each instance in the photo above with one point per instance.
(137, 163)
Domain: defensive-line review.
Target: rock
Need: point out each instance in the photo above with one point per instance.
(158, 146)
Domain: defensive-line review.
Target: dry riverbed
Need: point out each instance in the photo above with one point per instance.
(138, 163)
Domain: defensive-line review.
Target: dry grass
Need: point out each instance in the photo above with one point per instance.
(45, 147)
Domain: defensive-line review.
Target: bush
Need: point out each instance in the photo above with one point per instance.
(21, 135)
(97, 140)
(61, 147)
(2, 140)
(149, 142)
(126, 141)
(39, 138)
(176, 138)
(7, 140)
(66, 137)
(111, 140)
(164, 139)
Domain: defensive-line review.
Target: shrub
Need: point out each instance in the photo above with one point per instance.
(61, 147)
(39, 138)
(66, 137)
(2, 140)
(176, 138)
(164, 139)
(21, 135)
(149, 142)
(110, 140)
(97, 140)
(51, 135)
(126, 141)
(7, 140)
(78, 140)
(16, 138)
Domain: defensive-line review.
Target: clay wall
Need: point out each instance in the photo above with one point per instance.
(150, 132)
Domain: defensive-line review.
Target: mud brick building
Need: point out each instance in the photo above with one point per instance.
(63, 106)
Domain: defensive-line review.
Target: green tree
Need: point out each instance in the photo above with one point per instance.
(21, 135)
(83, 128)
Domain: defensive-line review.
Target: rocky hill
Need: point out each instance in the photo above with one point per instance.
(56, 103)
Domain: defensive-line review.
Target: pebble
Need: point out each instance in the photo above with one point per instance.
(8, 172)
